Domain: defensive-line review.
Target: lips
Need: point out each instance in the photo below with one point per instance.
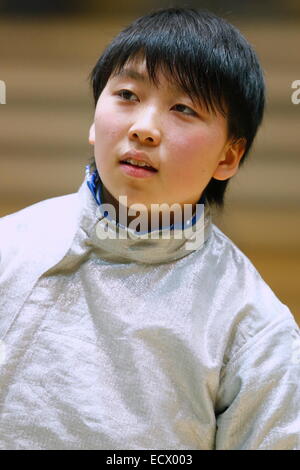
(145, 168)
(140, 157)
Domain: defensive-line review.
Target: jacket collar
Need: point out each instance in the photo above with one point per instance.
(121, 243)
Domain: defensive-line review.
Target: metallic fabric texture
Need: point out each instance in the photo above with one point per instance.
(134, 343)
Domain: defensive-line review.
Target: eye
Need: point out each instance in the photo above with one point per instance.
(125, 95)
(190, 111)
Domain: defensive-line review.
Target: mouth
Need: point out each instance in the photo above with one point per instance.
(143, 166)
(139, 159)
(137, 171)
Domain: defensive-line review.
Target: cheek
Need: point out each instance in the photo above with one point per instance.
(108, 124)
(187, 151)
(195, 152)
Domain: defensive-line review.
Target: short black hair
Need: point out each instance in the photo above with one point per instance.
(206, 56)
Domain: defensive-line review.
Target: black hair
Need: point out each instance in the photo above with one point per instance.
(207, 57)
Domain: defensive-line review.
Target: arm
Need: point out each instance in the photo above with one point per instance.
(258, 403)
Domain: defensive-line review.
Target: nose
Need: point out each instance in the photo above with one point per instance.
(145, 131)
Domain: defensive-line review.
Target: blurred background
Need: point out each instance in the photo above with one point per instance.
(47, 50)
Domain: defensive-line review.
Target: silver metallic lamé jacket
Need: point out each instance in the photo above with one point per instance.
(138, 344)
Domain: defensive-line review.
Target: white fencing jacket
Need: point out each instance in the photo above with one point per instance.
(130, 343)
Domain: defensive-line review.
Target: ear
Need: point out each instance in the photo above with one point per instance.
(229, 163)
(92, 134)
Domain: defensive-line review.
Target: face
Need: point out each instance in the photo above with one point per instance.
(185, 143)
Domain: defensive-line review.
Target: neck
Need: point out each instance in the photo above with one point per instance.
(153, 219)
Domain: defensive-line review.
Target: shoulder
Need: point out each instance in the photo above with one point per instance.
(229, 264)
(43, 209)
(229, 250)
(245, 302)
(240, 271)
(49, 220)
